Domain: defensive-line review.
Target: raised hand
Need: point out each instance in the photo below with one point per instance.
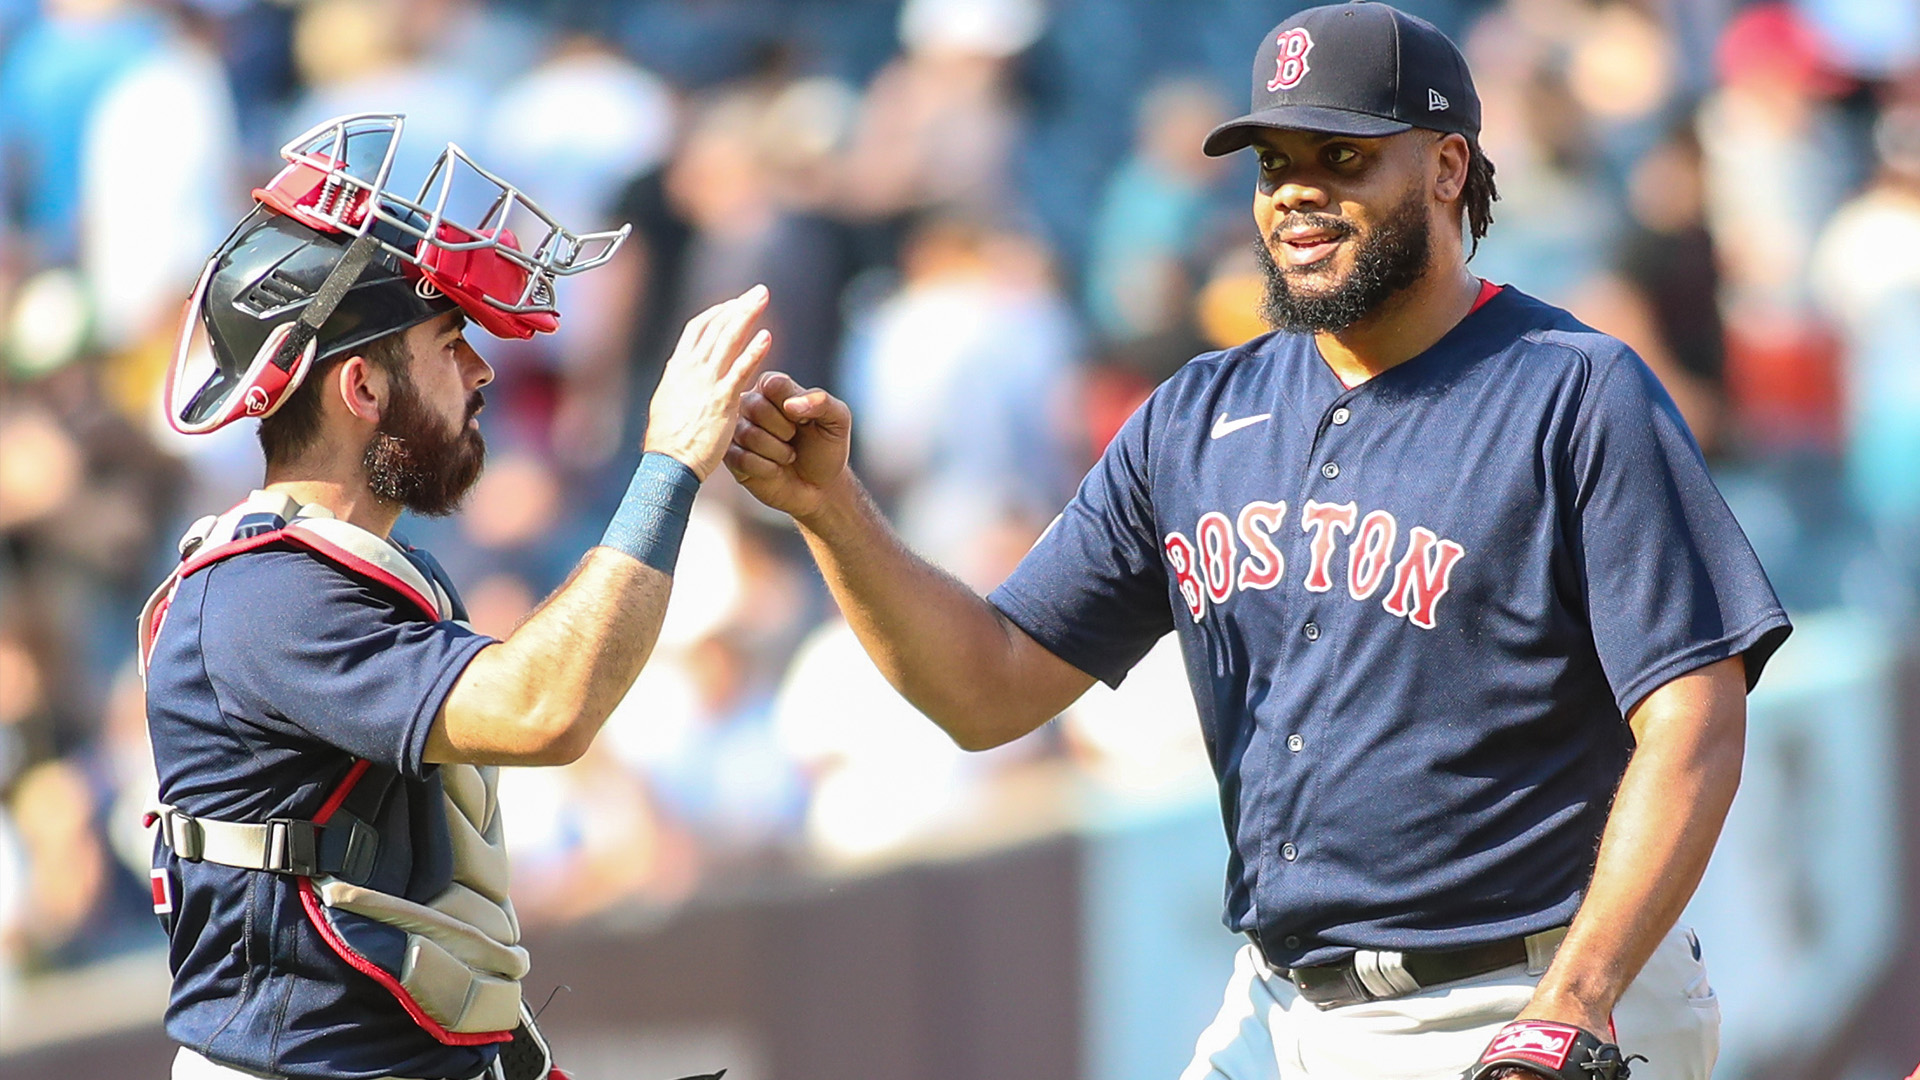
(790, 444)
(694, 408)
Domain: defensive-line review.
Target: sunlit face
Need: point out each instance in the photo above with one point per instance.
(427, 452)
(1345, 223)
(446, 371)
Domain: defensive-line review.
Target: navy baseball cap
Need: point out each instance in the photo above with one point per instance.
(1363, 69)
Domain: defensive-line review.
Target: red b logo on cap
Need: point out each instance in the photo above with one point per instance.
(1290, 63)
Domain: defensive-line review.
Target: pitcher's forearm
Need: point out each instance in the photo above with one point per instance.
(1666, 817)
(947, 650)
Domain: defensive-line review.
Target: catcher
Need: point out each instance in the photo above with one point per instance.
(329, 862)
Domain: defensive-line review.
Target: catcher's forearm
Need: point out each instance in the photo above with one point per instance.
(1666, 816)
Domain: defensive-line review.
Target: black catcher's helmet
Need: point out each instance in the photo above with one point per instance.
(331, 260)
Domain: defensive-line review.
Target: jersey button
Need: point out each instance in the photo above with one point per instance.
(1329, 470)
(1289, 852)
(1291, 941)
(1341, 415)
(1312, 630)
(1295, 743)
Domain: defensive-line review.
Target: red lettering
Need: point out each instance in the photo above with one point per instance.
(1214, 536)
(1370, 554)
(1422, 577)
(1321, 519)
(1264, 564)
(1180, 556)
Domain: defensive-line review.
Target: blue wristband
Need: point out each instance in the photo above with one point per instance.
(652, 517)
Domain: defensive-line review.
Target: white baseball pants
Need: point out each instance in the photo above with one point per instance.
(1267, 1031)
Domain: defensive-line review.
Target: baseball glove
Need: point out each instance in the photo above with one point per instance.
(1554, 1051)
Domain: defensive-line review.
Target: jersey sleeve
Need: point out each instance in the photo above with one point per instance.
(1093, 591)
(1671, 583)
(295, 642)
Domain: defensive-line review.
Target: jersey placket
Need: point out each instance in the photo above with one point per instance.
(1324, 481)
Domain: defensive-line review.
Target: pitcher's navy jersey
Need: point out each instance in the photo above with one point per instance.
(1413, 613)
(273, 671)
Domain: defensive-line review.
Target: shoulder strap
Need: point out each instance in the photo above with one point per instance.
(268, 517)
(370, 557)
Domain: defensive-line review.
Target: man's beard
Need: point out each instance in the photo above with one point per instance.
(1390, 258)
(415, 461)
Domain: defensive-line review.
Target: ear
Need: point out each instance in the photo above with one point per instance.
(1450, 155)
(363, 389)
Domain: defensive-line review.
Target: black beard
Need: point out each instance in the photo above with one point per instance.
(415, 461)
(1390, 258)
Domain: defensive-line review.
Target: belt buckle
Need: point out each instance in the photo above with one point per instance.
(1384, 973)
(1339, 986)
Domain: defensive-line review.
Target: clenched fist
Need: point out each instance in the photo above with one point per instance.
(790, 445)
(694, 408)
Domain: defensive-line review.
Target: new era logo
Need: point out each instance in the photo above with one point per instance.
(1435, 101)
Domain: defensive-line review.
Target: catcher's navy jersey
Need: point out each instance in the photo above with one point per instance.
(274, 670)
(1412, 612)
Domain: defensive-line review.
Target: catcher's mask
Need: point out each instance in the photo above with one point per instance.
(331, 259)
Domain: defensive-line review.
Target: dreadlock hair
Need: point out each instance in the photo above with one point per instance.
(1478, 194)
(295, 425)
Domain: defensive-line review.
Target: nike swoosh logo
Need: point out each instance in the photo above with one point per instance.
(1224, 426)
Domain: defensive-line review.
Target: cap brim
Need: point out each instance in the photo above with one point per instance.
(1238, 133)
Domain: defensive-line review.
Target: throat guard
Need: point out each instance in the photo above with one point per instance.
(459, 978)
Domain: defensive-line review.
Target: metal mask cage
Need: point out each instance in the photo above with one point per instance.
(323, 186)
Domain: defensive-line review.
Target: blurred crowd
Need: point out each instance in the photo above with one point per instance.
(985, 223)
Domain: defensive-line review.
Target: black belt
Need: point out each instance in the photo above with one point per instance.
(1370, 975)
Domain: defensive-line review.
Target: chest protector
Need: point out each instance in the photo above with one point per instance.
(459, 978)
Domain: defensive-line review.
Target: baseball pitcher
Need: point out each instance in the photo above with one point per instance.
(1469, 627)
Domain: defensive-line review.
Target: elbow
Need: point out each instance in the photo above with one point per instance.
(974, 742)
(544, 739)
(562, 744)
(979, 730)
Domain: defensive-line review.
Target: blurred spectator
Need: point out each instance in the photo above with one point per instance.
(81, 498)
(731, 186)
(882, 776)
(714, 764)
(1138, 280)
(1662, 296)
(1145, 739)
(1870, 252)
(1777, 164)
(1553, 217)
(574, 132)
(1866, 273)
(379, 56)
(67, 868)
(159, 186)
(51, 78)
(962, 381)
(939, 125)
(584, 838)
